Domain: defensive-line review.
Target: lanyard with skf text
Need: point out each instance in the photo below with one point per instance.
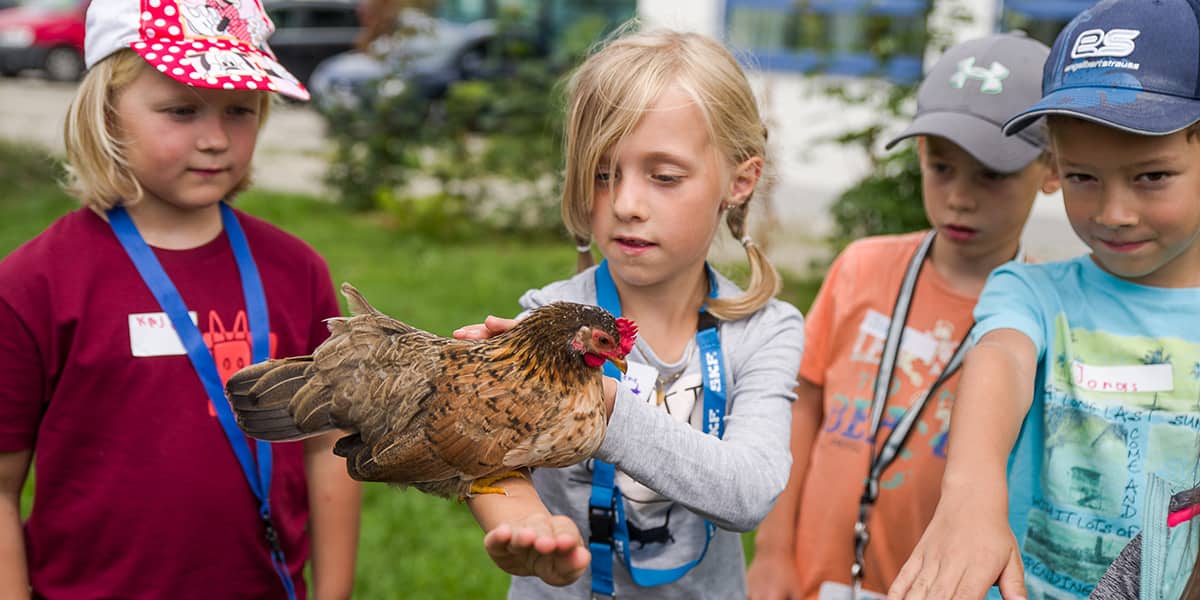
(883, 382)
(202, 361)
(606, 508)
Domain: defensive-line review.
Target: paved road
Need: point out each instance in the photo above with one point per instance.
(289, 157)
(292, 148)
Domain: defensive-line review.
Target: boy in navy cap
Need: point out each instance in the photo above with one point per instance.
(1087, 370)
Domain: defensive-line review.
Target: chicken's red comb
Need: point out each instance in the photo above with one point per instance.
(628, 331)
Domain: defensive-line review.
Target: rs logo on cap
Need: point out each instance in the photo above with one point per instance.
(1097, 42)
(991, 79)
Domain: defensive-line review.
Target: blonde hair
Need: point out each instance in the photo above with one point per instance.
(98, 172)
(607, 97)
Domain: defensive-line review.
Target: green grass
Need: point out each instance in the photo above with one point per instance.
(412, 545)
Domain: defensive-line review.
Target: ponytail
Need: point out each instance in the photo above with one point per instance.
(764, 279)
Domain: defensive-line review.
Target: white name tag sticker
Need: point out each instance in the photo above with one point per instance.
(152, 334)
(641, 379)
(1123, 379)
(831, 590)
(916, 343)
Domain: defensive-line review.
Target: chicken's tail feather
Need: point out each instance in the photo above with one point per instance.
(272, 403)
(357, 302)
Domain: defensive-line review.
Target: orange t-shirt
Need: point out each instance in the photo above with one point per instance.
(845, 332)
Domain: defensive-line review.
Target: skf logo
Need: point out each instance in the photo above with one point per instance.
(1097, 42)
(714, 424)
(712, 362)
(991, 79)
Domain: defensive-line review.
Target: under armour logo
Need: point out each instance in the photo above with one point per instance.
(991, 79)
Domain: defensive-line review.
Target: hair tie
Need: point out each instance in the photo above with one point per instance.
(584, 248)
(746, 241)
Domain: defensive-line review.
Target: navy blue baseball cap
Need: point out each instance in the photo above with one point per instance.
(1129, 64)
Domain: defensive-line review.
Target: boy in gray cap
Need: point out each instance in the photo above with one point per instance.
(885, 336)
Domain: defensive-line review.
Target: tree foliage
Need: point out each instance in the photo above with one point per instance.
(485, 157)
(888, 198)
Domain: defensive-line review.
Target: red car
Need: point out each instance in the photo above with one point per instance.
(46, 35)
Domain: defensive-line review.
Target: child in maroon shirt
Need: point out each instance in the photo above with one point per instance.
(107, 372)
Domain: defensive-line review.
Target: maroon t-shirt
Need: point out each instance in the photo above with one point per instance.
(138, 494)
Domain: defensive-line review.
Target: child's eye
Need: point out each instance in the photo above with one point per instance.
(668, 179)
(996, 175)
(180, 111)
(603, 176)
(1078, 178)
(1154, 176)
(241, 111)
(939, 168)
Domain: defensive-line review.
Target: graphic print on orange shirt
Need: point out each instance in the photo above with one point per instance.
(230, 347)
(922, 357)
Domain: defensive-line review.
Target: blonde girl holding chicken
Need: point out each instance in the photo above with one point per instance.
(664, 142)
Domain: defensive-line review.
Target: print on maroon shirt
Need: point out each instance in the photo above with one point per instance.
(231, 347)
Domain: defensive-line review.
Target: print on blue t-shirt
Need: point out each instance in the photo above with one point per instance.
(1117, 397)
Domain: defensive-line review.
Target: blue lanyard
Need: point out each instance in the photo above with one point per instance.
(202, 360)
(606, 501)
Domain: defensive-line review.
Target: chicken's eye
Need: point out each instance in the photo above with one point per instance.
(605, 340)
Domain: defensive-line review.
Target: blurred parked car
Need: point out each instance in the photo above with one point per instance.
(432, 55)
(43, 34)
(309, 31)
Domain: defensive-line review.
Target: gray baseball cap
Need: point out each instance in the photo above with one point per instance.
(973, 89)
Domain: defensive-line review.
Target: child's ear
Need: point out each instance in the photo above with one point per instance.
(1051, 182)
(745, 178)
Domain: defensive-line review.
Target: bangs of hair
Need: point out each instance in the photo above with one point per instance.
(97, 169)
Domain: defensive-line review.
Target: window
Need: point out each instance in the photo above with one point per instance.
(843, 37)
(1041, 19)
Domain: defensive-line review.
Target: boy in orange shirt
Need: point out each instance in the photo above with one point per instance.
(885, 331)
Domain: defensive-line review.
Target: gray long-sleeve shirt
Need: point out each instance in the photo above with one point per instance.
(684, 475)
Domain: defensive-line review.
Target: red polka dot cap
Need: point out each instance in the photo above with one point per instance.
(220, 44)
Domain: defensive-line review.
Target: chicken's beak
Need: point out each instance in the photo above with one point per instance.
(619, 363)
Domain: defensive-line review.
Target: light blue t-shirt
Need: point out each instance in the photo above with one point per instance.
(1117, 396)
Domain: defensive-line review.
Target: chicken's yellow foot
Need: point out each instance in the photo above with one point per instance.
(485, 485)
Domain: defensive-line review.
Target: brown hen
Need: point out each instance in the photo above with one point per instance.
(448, 417)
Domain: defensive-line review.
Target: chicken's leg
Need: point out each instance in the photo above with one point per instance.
(485, 485)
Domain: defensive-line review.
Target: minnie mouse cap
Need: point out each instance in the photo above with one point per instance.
(219, 44)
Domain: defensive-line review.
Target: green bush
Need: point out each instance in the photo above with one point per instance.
(484, 158)
(888, 200)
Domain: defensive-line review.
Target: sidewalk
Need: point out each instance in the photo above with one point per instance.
(289, 157)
